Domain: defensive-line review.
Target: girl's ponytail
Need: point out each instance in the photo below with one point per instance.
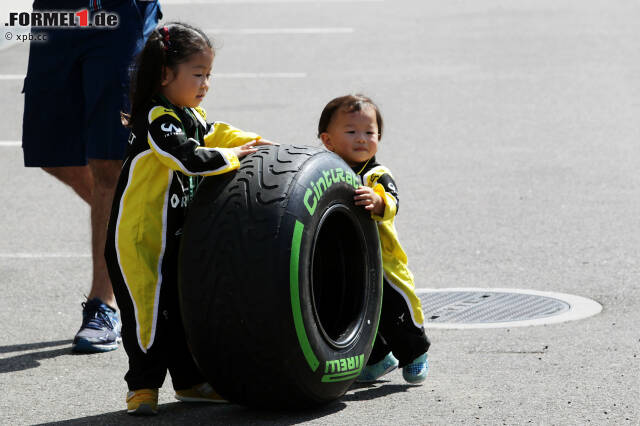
(166, 38)
(166, 46)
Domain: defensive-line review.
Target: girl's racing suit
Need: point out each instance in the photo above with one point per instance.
(169, 150)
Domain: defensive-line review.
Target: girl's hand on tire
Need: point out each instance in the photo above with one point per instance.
(261, 141)
(371, 201)
(246, 149)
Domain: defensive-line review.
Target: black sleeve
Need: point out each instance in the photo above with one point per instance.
(167, 139)
(390, 187)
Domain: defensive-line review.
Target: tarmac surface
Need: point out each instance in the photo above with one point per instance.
(513, 132)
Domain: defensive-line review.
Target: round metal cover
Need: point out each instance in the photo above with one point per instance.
(494, 307)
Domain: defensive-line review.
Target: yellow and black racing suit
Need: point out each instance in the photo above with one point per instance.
(169, 149)
(401, 329)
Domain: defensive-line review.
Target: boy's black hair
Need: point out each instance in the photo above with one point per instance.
(167, 46)
(350, 103)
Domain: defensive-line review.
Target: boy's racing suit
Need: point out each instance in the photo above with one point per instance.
(401, 328)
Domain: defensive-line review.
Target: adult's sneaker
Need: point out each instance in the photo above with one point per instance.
(100, 329)
(416, 371)
(371, 373)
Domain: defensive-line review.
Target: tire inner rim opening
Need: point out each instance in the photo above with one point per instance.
(339, 274)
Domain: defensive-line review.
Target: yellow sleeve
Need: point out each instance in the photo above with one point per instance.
(381, 181)
(390, 206)
(223, 135)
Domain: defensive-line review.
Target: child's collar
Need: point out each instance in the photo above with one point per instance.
(359, 168)
(167, 103)
(189, 111)
(182, 112)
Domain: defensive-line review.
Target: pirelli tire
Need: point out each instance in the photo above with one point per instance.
(280, 279)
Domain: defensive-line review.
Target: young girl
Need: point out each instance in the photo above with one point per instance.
(351, 126)
(170, 147)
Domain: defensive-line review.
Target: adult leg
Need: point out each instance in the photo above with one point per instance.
(105, 177)
(79, 178)
(95, 184)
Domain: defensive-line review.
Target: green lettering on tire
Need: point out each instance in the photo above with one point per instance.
(311, 358)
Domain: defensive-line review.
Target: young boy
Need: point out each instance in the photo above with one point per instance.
(351, 126)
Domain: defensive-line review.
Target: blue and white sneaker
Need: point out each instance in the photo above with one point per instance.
(100, 329)
(416, 372)
(371, 373)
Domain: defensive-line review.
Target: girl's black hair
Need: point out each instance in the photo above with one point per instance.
(350, 103)
(167, 46)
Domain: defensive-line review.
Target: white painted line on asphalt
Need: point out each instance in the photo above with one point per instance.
(43, 255)
(580, 308)
(276, 31)
(10, 143)
(217, 75)
(260, 75)
(11, 76)
(165, 2)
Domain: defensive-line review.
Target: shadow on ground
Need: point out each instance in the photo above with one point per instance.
(195, 414)
(183, 413)
(31, 359)
(367, 392)
(30, 346)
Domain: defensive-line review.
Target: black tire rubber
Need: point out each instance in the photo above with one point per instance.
(280, 279)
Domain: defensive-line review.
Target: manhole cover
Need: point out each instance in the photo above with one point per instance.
(494, 307)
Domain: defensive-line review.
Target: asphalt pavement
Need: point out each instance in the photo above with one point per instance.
(512, 129)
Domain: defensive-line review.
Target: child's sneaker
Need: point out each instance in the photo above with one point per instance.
(371, 373)
(142, 402)
(100, 329)
(199, 393)
(416, 372)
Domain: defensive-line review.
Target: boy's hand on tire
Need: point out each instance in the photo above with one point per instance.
(367, 198)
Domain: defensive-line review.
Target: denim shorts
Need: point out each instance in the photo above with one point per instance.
(77, 85)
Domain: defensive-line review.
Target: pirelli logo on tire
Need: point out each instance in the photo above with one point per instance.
(343, 369)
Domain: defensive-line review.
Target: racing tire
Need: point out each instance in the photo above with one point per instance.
(280, 279)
